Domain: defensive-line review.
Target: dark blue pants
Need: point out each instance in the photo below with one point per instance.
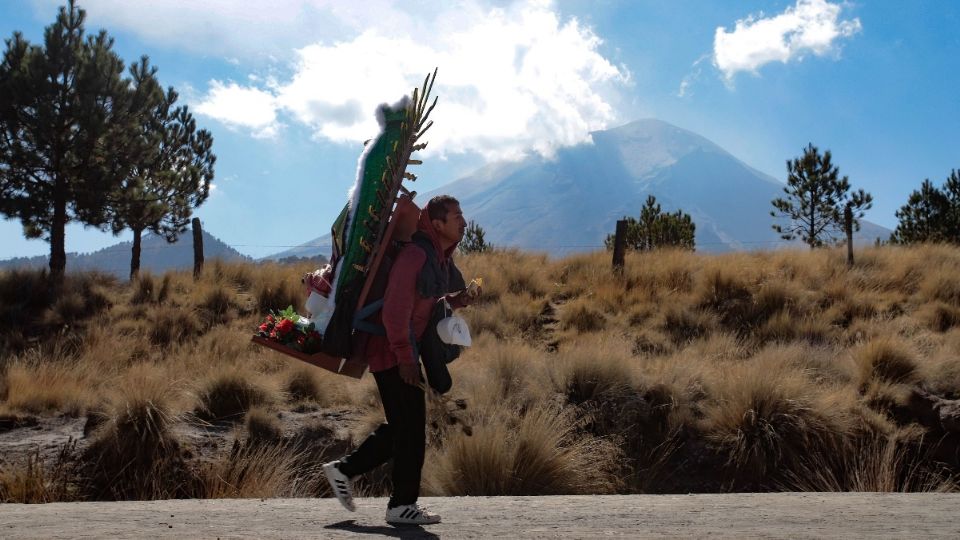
(402, 437)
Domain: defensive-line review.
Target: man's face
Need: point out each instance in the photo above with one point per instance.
(451, 230)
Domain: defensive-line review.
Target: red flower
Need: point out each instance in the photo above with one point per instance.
(270, 319)
(284, 327)
(273, 334)
(264, 327)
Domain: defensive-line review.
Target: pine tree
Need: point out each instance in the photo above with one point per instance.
(657, 229)
(473, 241)
(931, 214)
(171, 172)
(816, 198)
(66, 115)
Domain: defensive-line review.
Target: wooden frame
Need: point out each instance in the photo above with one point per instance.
(349, 367)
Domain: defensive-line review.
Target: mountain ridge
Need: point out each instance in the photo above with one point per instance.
(157, 256)
(571, 201)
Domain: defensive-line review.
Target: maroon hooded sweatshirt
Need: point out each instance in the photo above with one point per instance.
(403, 307)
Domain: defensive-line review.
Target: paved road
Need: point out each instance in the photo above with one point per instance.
(778, 515)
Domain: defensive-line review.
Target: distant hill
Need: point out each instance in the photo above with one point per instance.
(157, 256)
(571, 203)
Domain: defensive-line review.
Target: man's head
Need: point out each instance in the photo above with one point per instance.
(446, 219)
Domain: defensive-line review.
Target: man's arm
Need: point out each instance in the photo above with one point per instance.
(398, 305)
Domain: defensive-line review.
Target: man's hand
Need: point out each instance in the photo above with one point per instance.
(466, 297)
(409, 373)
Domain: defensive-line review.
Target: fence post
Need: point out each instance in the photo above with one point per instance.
(848, 226)
(197, 249)
(620, 245)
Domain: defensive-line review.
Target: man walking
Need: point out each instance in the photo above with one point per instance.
(417, 280)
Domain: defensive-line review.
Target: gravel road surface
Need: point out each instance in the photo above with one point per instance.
(767, 515)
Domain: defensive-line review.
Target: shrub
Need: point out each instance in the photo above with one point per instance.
(216, 304)
(875, 463)
(942, 284)
(256, 471)
(684, 325)
(940, 316)
(34, 482)
(228, 396)
(277, 295)
(303, 385)
(593, 371)
(887, 360)
(718, 290)
(579, 315)
(263, 426)
(763, 422)
(44, 385)
(134, 454)
(143, 289)
(167, 325)
(537, 454)
(165, 286)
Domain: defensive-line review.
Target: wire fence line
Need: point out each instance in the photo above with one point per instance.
(797, 243)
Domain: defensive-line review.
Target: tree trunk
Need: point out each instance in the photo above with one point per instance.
(619, 245)
(197, 249)
(135, 257)
(58, 254)
(848, 227)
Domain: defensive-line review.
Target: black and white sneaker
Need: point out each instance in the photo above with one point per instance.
(411, 514)
(341, 485)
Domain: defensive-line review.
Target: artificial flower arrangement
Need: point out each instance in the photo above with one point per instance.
(289, 329)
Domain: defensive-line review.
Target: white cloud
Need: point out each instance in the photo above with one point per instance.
(511, 79)
(809, 27)
(241, 107)
(513, 76)
(232, 29)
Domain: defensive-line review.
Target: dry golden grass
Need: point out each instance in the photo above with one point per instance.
(538, 453)
(34, 482)
(228, 396)
(47, 381)
(133, 453)
(256, 471)
(876, 463)
(766, 370)
(764, 420)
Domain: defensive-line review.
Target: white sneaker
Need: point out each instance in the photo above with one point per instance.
(411, 514)
(341, 485)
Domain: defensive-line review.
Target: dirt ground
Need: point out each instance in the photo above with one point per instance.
(768, 515)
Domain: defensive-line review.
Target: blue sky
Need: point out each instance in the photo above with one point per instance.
(288, 89)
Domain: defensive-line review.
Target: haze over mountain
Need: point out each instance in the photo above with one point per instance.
(570, 203)
(157, 256)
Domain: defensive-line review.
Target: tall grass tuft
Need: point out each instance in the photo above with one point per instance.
(215, 305)
(886, 359)
(44, 384)
(33, 481)
(303, 384)
(228, 396)
(144, 291)
(581, 316)
(134, 454)
(874, 463)
(537, 454)
(256, 471)
(263, 426)
(276, 294)
(763, 422)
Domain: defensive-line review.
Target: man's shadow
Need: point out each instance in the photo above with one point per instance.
(402, 531)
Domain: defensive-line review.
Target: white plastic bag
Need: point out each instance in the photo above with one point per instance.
(453, 330)
(320, 311)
